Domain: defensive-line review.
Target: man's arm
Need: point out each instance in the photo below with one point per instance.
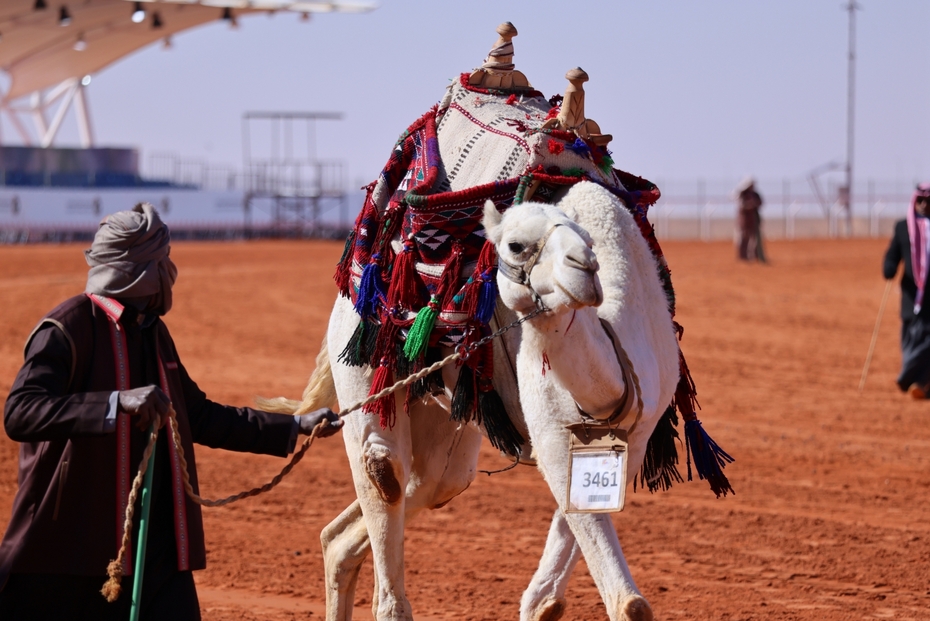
(236, 429)
(39, 407)
(892, 257)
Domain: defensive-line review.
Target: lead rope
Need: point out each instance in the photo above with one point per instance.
(111, 589)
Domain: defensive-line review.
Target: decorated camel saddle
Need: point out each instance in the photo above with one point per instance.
(417, 265)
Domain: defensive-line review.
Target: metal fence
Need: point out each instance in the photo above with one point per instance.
(791, 209)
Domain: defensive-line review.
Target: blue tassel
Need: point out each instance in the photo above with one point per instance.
(709, 458)
(370, 290)
(580, 147)
(487, 299)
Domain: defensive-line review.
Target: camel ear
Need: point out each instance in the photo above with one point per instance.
(492, 222)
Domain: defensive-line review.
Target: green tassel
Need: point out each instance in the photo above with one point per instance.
(418, 335)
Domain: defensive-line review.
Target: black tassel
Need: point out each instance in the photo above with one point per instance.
(361, 346)
(463, 397)
(501, 431)
(403, 368)
(370, 344)
(709, 459)
(431, 384)
(660, 465)
(353, 354)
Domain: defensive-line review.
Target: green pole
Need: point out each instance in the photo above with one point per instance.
(143, 534)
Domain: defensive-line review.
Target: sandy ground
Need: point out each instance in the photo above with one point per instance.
(829, 521)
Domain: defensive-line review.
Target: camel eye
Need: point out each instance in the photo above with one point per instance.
(515, 247)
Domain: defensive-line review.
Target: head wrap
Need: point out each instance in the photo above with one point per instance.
(129, 258)
(745, 184)
(918, 232)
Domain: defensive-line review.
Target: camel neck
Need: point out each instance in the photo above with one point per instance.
(571, 348)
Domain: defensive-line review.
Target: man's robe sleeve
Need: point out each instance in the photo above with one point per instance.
(892, 258)
(39, 408)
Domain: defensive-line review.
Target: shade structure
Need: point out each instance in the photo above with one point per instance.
(43, 47)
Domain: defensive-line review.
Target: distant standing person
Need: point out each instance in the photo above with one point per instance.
(911, 244)
(749, 203)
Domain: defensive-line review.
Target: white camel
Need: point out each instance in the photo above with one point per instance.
(425, 459)
(590, 264)
(619, 284)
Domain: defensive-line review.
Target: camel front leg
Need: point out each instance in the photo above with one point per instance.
(594, 533)
(381, 460)
(544, 598)
(345, 546)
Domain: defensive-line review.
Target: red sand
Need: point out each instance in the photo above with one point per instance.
(829, 521)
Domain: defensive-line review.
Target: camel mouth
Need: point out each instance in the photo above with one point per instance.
(591, 296)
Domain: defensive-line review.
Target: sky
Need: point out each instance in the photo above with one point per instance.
(688, 88)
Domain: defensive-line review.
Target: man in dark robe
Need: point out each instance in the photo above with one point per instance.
(99, 370)
(911, 244)
(749, 222)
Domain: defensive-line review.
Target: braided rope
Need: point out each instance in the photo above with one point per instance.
(297, 456)
(112, 587)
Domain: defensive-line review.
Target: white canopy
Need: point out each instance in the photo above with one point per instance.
(44, 43)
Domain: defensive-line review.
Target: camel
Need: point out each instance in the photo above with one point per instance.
(593, 265)
(418, 449)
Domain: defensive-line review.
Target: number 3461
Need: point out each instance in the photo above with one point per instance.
(600, 479)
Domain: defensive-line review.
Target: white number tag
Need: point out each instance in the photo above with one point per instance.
(597, 471)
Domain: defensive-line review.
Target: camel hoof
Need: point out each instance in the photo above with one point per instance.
(635, 608)
(551, 610)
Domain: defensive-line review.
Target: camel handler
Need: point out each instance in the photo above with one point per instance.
(99, 370)
(749, 222)
(911, 244)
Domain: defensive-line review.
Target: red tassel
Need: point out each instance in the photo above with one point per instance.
(467, 299)
(471, 293)
(686, 392)
(545, 364)
(386, 343)
(406, 289)
(448, 283)
(511, 100)
(384, 407)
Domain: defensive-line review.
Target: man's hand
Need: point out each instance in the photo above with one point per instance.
(148, 403)
(309, 421)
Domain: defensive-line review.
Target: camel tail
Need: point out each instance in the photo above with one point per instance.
(319, 393)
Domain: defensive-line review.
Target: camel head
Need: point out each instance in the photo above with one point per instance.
(541, 250)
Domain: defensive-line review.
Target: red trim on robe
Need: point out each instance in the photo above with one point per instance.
(178, 494)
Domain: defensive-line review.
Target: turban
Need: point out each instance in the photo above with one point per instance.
(129, 257)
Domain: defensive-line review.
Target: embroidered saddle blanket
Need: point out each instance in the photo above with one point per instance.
(417, 265)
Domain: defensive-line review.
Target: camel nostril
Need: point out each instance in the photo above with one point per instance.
(585, 264)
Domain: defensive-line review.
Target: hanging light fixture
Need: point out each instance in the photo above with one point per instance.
(64, 16)
(39, 5)
(156, 21)
(80, 45)
(138, 13)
